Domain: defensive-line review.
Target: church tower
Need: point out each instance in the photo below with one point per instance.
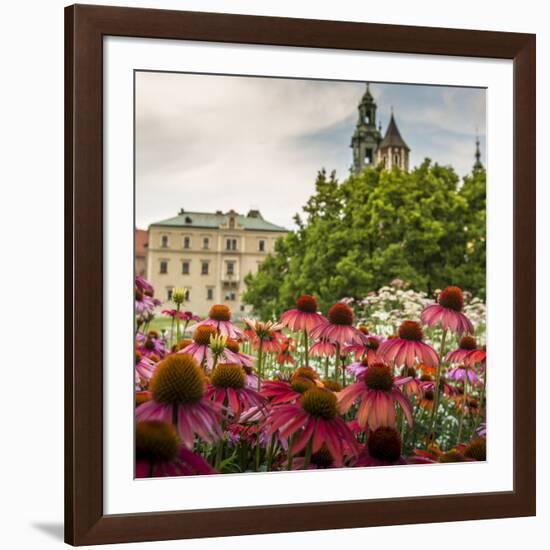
(366, 137)
(477, 164)
(393, 151)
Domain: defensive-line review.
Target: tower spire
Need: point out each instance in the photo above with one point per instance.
(477, 163)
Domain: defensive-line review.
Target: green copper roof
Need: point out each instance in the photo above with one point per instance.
(208, 220)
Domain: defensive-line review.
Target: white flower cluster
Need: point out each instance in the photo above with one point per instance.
(384, 310)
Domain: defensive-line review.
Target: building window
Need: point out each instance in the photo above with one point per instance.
(164, 266)
(168, 294)
(206, 243)
(231, 244)
(204, 268)
(230, 296)
(396, 160)
(186, 242)
(185, 268)
(261, 245)
(230, 268)
(385, 159)
(209, 293)
(368, 156)
(187, 296)
(164, 241)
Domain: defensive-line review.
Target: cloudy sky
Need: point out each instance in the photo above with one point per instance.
(208, 143)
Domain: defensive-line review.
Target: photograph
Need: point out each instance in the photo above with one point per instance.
(310, 274)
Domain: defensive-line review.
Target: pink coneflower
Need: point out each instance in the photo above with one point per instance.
(413, 386)
(447, 313)
(144, 368)
(159, 453)
(270, 343)
(287, 346)
(434, 454)
(219, 317)
(228, 387)
(427, 383)
(408, 347)
(151, 344)
(465, 346)
(145, 302)
(304, 317)
(200, 348)
(383, 448)
(339, 327)
(476, 356)
(358, 368)
(282, 391)
(461, 372)
(266, 332)
(377, 391)
(186, 316)
(321, 460)
(368, 348)
(322, 348)
(310, 422)
(178, 391)
(477, 450)
(232, 354)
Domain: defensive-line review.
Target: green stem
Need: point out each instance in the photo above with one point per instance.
(464, 397)
(307, 458)
(257, 465)
(172, 332)
(178, 323)
(219, 455)
(271, 452)
(290, 444)
(337, 362)
(306, 349)
(481, 398)
(431, 435)
(260, 357)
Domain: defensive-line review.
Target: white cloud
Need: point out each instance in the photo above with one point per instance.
(210, 142)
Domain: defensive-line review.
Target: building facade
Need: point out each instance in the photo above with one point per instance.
(140, 246)
(369, 148)
(209, 254)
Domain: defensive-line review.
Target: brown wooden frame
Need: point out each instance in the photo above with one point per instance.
(85, 27)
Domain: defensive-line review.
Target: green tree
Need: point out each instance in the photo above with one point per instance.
(422, 227)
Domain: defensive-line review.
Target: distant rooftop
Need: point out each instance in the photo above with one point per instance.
(393, 136)
(253, 221)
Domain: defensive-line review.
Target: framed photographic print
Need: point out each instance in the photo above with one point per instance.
(300, 274)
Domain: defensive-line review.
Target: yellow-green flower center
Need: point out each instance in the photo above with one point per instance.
(156, 441)
(227, 375)
(320, 403)
(301, 385)
(178, 380)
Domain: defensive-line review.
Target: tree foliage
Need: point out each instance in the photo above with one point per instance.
(422, 226)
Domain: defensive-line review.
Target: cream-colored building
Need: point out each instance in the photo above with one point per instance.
(209, 254)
